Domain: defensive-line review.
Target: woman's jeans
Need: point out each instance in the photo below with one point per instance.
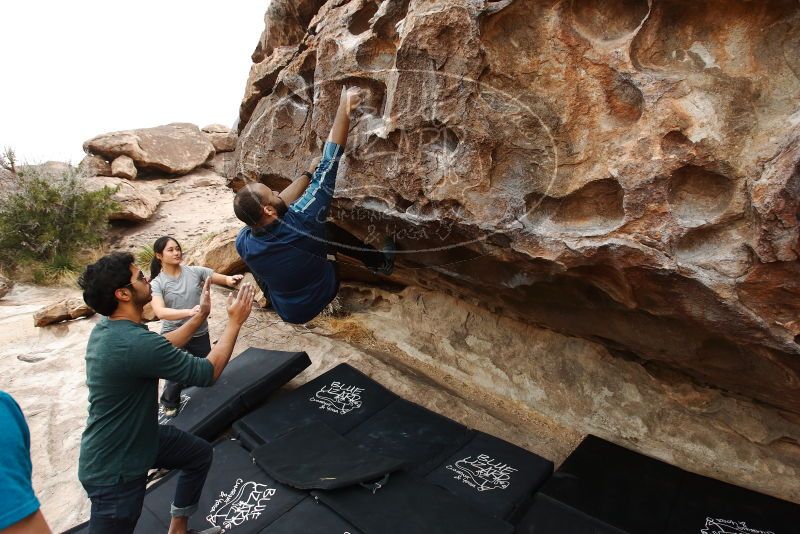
(116, 509)
(198, 346)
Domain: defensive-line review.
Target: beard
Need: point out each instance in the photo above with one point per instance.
(142, 297)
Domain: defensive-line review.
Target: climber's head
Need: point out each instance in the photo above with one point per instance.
(257, 205)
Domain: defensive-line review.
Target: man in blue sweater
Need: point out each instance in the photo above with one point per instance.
(286, 241)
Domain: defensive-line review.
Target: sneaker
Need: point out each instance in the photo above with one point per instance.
(212, 530)
(387, 266)
(170, 412)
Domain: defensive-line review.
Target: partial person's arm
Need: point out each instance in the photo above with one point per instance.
(223, 280)
(348, 101)
(170, 314)
(296, 189)
(156, 357)
(183, 334)
(20, 510)
(33, 524)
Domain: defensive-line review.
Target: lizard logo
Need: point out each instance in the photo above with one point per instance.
(338, 398)
(483, 472)
(727, 526)
(245, 502)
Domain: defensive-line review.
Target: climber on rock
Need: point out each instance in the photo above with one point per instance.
(286, 241)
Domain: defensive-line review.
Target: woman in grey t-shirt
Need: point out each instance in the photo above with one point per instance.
(176, 297)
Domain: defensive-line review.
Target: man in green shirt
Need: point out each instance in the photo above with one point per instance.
(124, 361)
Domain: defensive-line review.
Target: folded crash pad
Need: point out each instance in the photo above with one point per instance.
(634, 493)
(314, 456)
(245, 383)
(404, 430)
(406, 503)
(310, 517)
(341, 398)
(493, 475)
(238, 496)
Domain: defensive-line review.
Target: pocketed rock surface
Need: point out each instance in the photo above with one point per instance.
(622, 172)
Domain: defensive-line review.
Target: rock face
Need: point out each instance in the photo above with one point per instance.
(123, 167)
(223, 139)
(64, 310)
(533, 372)
(174, 148)
(5, 286)
(137, 202)
(53, 169)
(625, 172)
(94, 166)
(218, 253)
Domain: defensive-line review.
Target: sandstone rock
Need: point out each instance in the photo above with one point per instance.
(620, 173)
(92, 165)
(173, 148)
(218, 253)
(5, 286)
(137, 202)
(221, 163)
(52, 169)
(223, 139)
(286, 24)
(71, 308)
(123, 167)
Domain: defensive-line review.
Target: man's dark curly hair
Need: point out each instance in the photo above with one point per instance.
(102, 278)
(247, 205)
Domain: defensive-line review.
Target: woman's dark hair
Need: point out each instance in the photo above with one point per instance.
(102, 278)
(158, 248)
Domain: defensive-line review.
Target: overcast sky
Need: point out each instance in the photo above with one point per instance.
(72, 70)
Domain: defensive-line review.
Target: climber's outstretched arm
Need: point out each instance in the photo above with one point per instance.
(294, 190)
(348, 101)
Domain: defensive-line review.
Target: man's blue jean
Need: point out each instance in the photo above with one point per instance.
(116, 509)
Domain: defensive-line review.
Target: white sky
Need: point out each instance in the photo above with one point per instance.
(73, 70)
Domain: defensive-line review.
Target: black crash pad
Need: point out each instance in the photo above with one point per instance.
(245, 383)
(616, 486)
(237, 496)
(548, 516)
(341, 398)
(493, 475)
(314, 456)
(720, 508)
(421, 438)
(634, 493)
(406, 504)
(310, 517)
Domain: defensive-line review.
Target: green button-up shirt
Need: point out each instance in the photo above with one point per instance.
(124, 361)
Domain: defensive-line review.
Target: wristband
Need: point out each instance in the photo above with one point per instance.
(310, 176)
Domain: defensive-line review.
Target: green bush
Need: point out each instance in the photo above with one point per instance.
(144, 256)
(50, 218)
